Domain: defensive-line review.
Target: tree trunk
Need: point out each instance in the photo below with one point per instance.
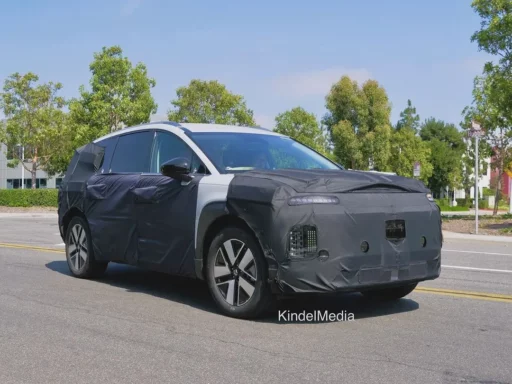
(34, 168)
(497, 192)
(33, 172)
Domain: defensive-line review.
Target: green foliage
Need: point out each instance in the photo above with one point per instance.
(492, 92)
(463, 203)
(407, 148)
(444, 205)
(409, 118)
(359, 125)
(28, 197)
(495, 28)
(35, 120)
(487, 192)
(303, 127)
(446, 148)
(210, 102)
(120, 96)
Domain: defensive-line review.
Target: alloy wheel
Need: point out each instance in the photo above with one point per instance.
(235, 272)
(77, 247)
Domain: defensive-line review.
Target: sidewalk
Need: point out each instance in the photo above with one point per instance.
(467, 236)
(23, 215)
(471, 212)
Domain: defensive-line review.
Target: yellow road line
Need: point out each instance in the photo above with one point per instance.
(467, 294)
(30, 247)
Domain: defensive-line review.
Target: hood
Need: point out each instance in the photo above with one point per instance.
(337, 181)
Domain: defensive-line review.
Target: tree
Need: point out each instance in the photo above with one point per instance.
(495, 30)
(446, 148)
(359, 125)
(409, 118)
(488, 110)
(35, 121)
(493, 91)
(209, 102)
(303, 127)
(407, 148)
(120, 96)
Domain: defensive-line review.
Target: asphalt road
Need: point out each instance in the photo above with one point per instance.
(138, 327)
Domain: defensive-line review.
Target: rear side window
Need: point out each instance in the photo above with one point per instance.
(109, 145)
(133, 153)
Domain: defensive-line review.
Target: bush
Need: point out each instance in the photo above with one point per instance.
(446, 208)
(482, 204)
(28, 197)
(487, 192)
(463, 203)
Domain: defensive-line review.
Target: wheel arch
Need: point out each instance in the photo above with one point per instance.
(73, 212)
(214, 217)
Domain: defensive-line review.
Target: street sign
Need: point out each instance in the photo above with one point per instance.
(476, 130)
(416, 169)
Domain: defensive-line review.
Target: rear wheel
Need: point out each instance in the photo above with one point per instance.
(387, 294)
(237, 275)
(79, 252)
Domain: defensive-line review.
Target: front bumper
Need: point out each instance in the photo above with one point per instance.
(316, 276)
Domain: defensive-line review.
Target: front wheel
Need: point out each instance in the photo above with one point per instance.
(79, 252)
(237, 275)
(387, 294)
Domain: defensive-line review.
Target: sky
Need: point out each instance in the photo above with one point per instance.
(277, 54)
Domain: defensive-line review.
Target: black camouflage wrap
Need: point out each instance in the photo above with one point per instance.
(146, 220)
(367, 200)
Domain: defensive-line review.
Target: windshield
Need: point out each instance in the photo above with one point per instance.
(237, 152)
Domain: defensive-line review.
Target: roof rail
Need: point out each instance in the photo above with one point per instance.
(173, 123)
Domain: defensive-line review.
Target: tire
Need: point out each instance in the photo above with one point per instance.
(388, 294)
(80, 258)
(239, 285)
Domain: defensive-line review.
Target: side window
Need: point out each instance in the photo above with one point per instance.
(168, 146)
(109, 145)
(132, 153)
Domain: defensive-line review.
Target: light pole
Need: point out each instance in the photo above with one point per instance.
(476, 132)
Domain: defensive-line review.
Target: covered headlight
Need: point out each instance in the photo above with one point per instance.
(430, 197)
(303, 200)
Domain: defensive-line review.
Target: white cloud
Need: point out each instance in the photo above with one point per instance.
(317, 83)
(265, 121)
(130, 6)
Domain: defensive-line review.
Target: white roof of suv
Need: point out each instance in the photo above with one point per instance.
(196, 127)
(192, 127)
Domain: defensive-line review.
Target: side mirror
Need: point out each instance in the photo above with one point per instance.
(177, 168)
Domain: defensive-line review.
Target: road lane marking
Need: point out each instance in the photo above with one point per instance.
(467, 294)
(476, 252)
(476, 269)
(30, 247)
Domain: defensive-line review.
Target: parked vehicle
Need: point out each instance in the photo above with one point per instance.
(254, 213)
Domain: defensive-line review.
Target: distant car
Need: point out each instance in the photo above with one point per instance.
(254, 213)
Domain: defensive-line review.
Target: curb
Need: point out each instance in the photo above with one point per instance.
(464, 236)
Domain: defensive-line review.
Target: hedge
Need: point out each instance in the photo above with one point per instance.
(28, 197)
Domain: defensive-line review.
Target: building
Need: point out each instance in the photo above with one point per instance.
(10, 178)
